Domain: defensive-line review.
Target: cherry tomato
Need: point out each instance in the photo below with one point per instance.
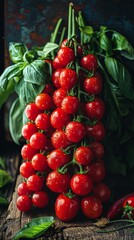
(91, 207)
(31, 111)
(58, 96)
(66, 55)
(49, 89)
(102, 191)
(26, 169)
(55, 77)
(23, 189)
(89, 62)
(93, 85)
(42, 121)
(59, 118)
(66, 208)
(57, 158)
(39, 162)
(27, 152)
(24, 203)
(38, 140)
(57, 64)
(81, 184)
(43, 101)
(40, 199)
(83, 155)
(128, 206)
(97, 149)
(96, 171)
(58, 182)
(35, 183)
(70, 104)
(97, 131)
(75, 131)
(95, 109)
(28, 130)
(59, 139)
(67, 79)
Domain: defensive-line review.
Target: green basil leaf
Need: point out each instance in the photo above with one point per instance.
(27, 91)
(16, 51)
(37, 72)
(4, 178)
(30, 56)
(105, 43)
(121, 44)
(35, 228)
(49, 47)
(121, 76)
(87, 30)
(4, 94)
(3, 201)
(16, 120)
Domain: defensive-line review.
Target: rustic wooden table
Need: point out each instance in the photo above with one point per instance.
(11, 219)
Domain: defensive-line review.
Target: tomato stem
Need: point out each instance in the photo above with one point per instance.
(70, 21)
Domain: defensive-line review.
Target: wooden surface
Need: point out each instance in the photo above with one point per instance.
(11, 220)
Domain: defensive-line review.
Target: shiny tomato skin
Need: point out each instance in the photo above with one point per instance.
(67, 79)
(129, 203)
(93, 85)
(97, 131)
(31, 111)
(38, 141)
(28, 130)
(97, 149)
(95, 109)
(27, 152)
(89, 62)
(58, 182)
(58, 96)
(66, 208)
(43, 101)
(102, 191)
(59, 139)
(57, 64)
(57, 158)
(83, 155)
(96, 171)
(24, 203)
(26, 169)
(55, 77)
(91, 207)
(40, 199)
(75, 131)
(81, 184)
(23, 189)
(59, 118)
(66, 55)
(39, 162)
(70, 104)
(42, 121)
(35, 183)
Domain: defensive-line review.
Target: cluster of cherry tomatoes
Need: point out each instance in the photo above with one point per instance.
(63, 151)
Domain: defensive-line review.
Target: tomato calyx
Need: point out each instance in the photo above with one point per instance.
(64, 169)
(128, 211)
(70, 194)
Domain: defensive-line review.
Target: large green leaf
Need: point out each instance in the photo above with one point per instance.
(105, 44)
(35, 228)
(16, 51)
(4, 178)
(3, 201)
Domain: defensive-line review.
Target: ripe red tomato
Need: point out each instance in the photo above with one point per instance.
(75, 131)
(102, 191)
(81, 184)
(58, 96)
(93, 85)
(26, 169)
(38, 141)
(27, 152)
(57, 64)
(58, 182)
(96, 171)
(28, 130)
(91, 207)
(57, 158)
(70, 104)
(66, 208)
(95, 109)
(60, 140)
(83, 155)
(89, 62)
(59, 118)
(97, 149)
(23, 189)
(55, 77)
(97, 131)
(49, 89)
(67, 79)
(39, 162)
(66, 55)
(35, 183)
(40, 199)
(31, 111)
(128, 206)
(42, 121)
(43, 101)
(24, 203)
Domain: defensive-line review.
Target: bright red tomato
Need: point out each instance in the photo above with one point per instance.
(128, 206)
(43, 101)
(58, 96)
(98, 150)
(89, 62)
(67, 79)
(66, 208)
(40, 199)
(57, 64)
(81, 184)
(60, 140)
(38, 141)
(58, 182)
(31, 111)
(70, 104)
(23, 189)
(97, 131)
(93, 85)
(96, 171)
(28, 130)
(27, 152)
(39, 162)
(42, 121)
(55, 77)
(75, 131)
(95, 109)
(35, 183)
(91, 207)
(24, 203)
(102, 191)
(59, 118)
(66, 55)
(26, 169)
(83, 155)
(57, 158)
